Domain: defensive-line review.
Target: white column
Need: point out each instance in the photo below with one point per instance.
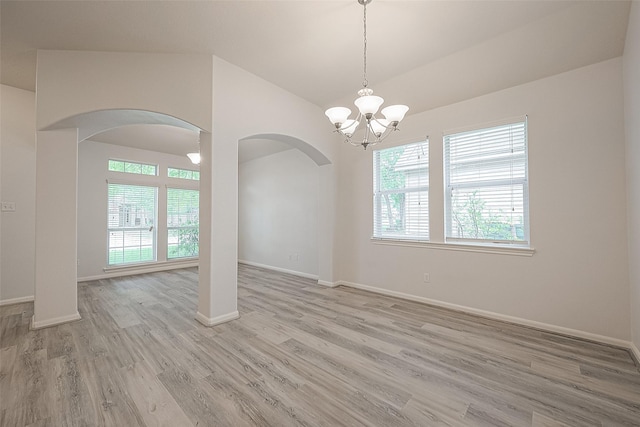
(326, 225)
(217, 291)
(56, 297)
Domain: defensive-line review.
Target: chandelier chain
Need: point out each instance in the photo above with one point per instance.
(375, 129)
(365, 82)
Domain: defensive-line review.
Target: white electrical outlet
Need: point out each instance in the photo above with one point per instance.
(427, 278)
(8, 206)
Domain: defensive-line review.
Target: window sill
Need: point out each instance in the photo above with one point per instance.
(125, 267)
(500, 250)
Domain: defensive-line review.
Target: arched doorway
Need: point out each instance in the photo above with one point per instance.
(278, 204)
(56, 209)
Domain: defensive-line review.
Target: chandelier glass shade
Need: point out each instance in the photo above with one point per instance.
(374, 129)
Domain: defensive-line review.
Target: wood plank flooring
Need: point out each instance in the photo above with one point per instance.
(300, 355)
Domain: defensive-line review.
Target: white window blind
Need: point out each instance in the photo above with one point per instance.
(486, 185)
(131, 223)
(182, 222)
(401, 192)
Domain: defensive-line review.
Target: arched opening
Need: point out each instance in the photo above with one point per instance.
(278, 204)
(58, 251)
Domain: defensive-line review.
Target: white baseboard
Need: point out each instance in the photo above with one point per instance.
(497, 316)
(20, 300)
(212, 321)
(328, 284)
(53, 322)
(139, 270)
(280, 270)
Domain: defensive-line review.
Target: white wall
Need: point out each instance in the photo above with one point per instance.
(92, 198)
(632, 126)
(578, 277)
(244, 106)
(278, 212)
(71, 87)
(204, 91)
(75, 82)
(18, 154)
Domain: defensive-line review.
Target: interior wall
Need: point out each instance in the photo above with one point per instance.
(93, 160)
(244, 106)
(632, 126)
(77, 82)
(278, 212)
(578, 277)
(18, 178)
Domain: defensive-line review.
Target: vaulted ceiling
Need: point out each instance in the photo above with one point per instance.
(421, 53)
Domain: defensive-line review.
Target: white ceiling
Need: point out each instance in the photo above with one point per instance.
(179, 141)
(421, 53)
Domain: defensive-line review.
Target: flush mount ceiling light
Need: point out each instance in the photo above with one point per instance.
(195, 157)
(375, 129)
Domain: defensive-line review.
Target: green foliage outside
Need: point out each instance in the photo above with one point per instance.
(472, 219)
(126, 255)
(188, 241)
(392, 179)
(183, 212)
(183, 174)
(132, 167)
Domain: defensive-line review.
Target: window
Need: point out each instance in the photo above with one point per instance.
(131, 223)
(486, 185)
(401, 192)
(132, 167)
(182, 222)
(183, 174)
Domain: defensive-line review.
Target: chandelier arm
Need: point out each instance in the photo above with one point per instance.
(356, 120)
(389, 126)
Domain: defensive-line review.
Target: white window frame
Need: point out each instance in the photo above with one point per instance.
(378, 193)
(122, 229)
(514, 182)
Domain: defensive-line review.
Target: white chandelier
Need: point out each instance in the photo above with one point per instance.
(375, 130)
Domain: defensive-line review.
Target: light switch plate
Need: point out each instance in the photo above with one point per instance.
(8, 206)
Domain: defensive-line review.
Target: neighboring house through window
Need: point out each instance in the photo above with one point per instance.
(132, 227)
(131, 223)
(401, 192)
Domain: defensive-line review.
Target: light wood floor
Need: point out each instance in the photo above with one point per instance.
(299, 355)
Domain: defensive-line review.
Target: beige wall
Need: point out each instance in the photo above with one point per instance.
(18, 154)
(278, 212)
(71, 83)
(632, 126)
(577, 279)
